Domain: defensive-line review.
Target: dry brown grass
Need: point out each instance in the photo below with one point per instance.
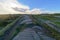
(7, 16)
(3, 17)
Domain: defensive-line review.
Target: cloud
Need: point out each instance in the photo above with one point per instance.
(6, 6)
(40, 11)
(35, 11)
(14, 7)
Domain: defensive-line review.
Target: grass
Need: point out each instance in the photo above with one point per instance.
(53, 19)
(7, 27)
(57, 24)
(47, 17)
(52, 32)
(6, 19)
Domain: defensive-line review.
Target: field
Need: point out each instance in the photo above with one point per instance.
(7, 19)
(11, 25)
(54, 19)
(51, 22)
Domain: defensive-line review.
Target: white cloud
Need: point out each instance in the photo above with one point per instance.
(6, 6)
(35, 11)
(14, 7)
(40, 11)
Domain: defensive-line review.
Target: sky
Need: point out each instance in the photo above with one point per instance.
(50, 5)
(12, 7)
(29, 6)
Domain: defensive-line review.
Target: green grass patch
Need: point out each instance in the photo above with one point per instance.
(52, 32)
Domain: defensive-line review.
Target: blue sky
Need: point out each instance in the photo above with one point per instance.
(51, 5)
